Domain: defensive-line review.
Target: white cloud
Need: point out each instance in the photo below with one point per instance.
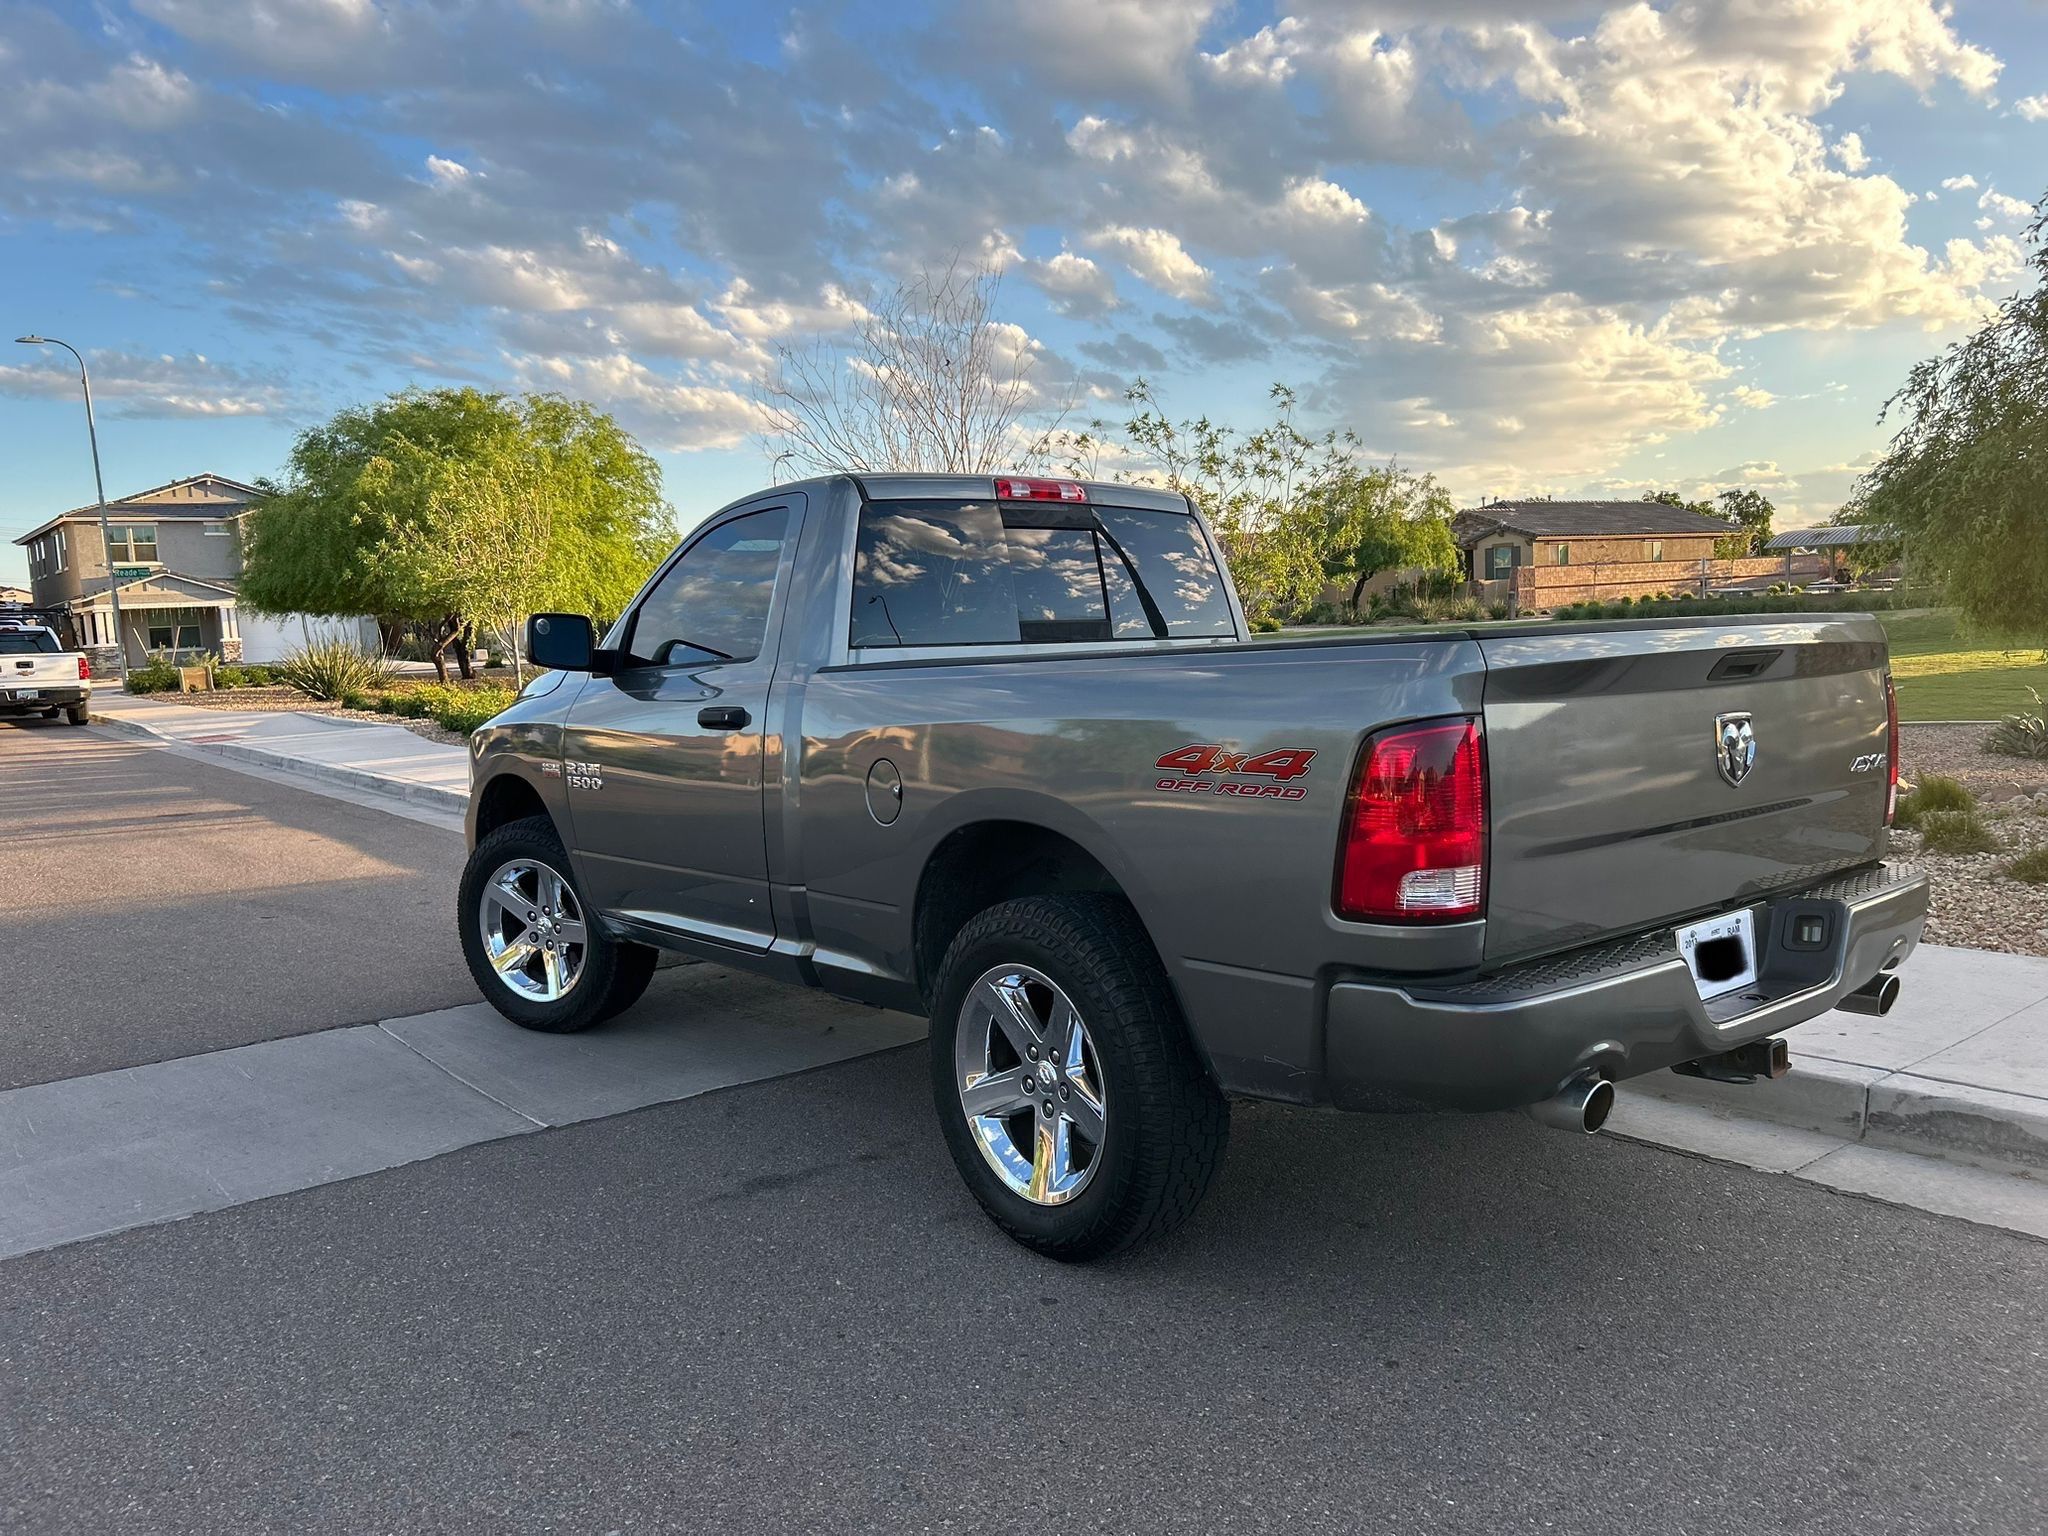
(137, 385)
(1156, 256)
(1849, 150)
(2033, 108)
(1960, 184)
(677, 415)
(1074, 284)
(1997, 202)
(447, 173)
(1755, 399)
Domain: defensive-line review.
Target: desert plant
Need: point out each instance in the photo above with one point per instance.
(1956, 832)
(1265, 624)
(2022, 735)
(1934, 793)
(2031, 867)
(332, 670)
(157, 676)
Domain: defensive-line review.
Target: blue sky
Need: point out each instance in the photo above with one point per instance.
(1530, 247)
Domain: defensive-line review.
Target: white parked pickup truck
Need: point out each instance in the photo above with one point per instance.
(38, 676)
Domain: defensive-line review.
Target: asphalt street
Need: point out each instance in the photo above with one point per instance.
(774, 1308)
(156, 907)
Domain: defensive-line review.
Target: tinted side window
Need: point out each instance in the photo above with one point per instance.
(713, 602)
(932, 573)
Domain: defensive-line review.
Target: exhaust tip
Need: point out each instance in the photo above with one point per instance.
(1875, 996)
(1583, 1106)
(1599, 1105)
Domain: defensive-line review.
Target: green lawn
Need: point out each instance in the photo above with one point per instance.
(1945, 673)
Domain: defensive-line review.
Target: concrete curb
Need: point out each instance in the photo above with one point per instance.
(1956, 1121)
(428, 796)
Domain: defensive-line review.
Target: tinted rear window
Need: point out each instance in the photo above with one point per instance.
(952, 573)
(24, 643)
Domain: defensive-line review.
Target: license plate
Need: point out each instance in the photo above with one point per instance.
(22, 695)
(1720, 952)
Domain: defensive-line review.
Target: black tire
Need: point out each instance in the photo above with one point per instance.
(615, 971)
(79, 714)
(629, 980)
(1166, 1122)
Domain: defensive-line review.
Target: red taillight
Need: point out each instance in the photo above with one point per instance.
(1415, 828)
(1891, 749)
(84, 669)
(1041, 490)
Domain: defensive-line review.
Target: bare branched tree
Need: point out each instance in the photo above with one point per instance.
(931, 381)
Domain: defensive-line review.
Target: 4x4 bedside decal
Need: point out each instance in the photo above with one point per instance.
(1201, 759)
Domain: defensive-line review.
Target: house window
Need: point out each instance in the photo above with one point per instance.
(1501, 560)
(174, 629)
(1656, 549)
(132, 544)
(58, 536)
(1564, 554)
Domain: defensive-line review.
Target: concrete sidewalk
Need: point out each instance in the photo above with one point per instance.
(384, 760)
(1958, 1069)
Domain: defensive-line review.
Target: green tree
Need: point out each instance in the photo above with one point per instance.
(1751, 511)
(1964, 483)
(1262, 490)
(456, 507)
(1384, 519)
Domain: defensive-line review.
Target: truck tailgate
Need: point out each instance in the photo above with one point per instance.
(1610, 808)
(38, 669)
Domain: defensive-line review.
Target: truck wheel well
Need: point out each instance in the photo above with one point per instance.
(992, 861)
(505, 799)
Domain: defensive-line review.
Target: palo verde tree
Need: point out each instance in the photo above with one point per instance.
(456, 508)
(1963, 485)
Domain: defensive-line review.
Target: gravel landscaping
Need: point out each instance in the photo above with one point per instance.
(1975, 902)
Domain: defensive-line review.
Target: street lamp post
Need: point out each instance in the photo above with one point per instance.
(92, 433)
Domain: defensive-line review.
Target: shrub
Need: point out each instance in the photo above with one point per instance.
(1497, 611)
(2030, 867)
(1956, 832)
(462, 710)
(1934, 793)
(159, 676)
(1265, 624)
(332, 670)
(1683, 605)
(2022, 735)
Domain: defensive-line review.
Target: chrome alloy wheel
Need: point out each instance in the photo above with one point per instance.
(1030, 1084)
(533, 931)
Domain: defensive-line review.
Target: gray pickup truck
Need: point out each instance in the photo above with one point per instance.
(1002, 752)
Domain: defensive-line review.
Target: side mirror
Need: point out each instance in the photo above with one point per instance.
(561, 642)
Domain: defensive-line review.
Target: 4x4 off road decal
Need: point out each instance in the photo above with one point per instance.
(1193, 766)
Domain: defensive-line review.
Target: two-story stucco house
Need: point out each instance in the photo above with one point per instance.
(175, 554)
